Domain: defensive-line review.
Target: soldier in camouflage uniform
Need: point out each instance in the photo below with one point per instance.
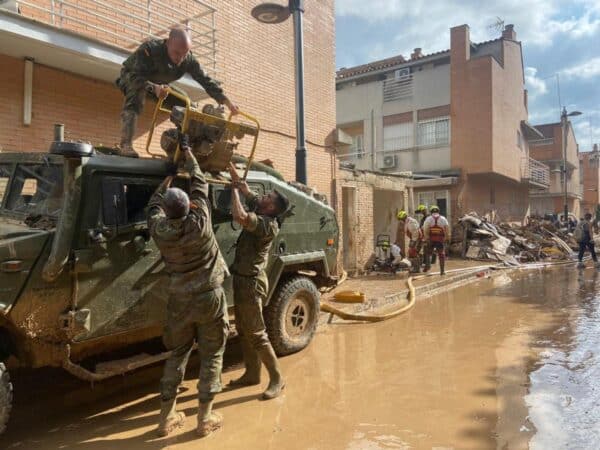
(149, 69)
(197, 307)
(250, 282)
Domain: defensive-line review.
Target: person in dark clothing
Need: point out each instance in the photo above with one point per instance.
(586, 240)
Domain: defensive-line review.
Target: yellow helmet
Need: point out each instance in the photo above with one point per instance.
(401, 215)
(421, 208)
(434, 208)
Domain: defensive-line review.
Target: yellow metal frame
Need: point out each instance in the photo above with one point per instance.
(233, 127)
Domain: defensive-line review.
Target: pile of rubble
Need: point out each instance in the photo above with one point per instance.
(477, 238)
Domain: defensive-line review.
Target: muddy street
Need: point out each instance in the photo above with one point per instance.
(508, 362)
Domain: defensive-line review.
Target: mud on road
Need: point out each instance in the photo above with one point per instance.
(508, 362)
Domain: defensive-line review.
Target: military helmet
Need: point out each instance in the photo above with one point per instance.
(421, 209)
(434, 208)
(401, 215)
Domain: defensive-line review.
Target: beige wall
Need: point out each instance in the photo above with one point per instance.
(591, 183)
(431, 88)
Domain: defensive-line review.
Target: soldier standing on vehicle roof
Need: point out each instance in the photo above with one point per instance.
(250, 282)
(197, 307)
(150, 68)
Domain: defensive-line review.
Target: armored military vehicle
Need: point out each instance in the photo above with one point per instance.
(80, 277)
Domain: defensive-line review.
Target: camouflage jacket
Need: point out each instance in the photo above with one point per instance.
(254, 243)
(188, 245)
(150, 62)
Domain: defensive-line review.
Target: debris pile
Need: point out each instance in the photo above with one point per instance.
(476, 238)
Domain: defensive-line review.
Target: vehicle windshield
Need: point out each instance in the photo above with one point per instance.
(34, 189)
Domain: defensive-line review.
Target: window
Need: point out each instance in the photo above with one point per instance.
(433, 132)
(4, 177)
(36, 189)
(221, 200)
(357, 148)
(397, 88)
(398, 136)
(519, 140)
(124, 201)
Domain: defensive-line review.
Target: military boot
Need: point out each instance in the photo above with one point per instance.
(169, 419)
(251, 376)
(128, 122)
(208, 421)
(276, 383)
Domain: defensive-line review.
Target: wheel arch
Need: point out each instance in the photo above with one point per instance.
(292, 264)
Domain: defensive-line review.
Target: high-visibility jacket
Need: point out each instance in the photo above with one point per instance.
(436, 228)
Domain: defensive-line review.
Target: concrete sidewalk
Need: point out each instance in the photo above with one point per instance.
(386, 292)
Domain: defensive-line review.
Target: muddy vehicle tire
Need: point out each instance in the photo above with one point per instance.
(6, 395)
(292, 314)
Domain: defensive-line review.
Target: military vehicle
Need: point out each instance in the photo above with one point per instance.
(80, 277)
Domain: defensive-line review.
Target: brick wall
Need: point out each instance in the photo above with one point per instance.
(591, 182)
(256, 66)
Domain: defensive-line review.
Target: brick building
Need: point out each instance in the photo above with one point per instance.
(456, 119)
(549, 150)
(590, 177)
(59, 62)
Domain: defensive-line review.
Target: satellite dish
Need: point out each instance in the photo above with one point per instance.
(270, 13)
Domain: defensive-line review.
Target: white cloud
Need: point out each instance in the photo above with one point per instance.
(535, 85)
(425, 23)
(585, 70)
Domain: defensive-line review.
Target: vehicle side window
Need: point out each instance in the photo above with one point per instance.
(221, 197)
(4, 177)
(124, 201)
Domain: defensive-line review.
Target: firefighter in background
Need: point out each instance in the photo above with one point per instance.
(422, 214)
(436, 232)
(413, 232)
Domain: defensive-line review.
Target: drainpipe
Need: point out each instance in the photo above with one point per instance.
(373, 142)
(63, 234)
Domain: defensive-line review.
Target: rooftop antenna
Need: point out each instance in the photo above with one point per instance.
(498, 25)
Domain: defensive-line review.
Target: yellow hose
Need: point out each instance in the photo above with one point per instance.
(325, 307)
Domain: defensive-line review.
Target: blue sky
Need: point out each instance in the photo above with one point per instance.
(559, 37)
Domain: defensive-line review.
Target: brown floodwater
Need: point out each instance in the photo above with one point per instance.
(509, 362)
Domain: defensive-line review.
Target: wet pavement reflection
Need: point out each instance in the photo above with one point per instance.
(509, 362)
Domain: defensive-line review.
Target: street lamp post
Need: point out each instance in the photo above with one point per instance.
(564, 121)
(274, 13)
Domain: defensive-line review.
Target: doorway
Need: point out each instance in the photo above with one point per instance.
(349, 228)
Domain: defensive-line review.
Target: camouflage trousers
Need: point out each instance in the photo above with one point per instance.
(202, 318)
(133, 106)
(136, 98)
(249, 293)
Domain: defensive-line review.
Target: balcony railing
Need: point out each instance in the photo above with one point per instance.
(352, 154)
(535, 172)
(126, 23)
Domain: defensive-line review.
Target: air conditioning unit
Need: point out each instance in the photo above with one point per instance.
(402, 74)
(389, 162)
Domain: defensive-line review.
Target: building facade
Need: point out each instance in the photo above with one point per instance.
(590, 178)
(456, 119)
(60, 60)
(549, 150)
